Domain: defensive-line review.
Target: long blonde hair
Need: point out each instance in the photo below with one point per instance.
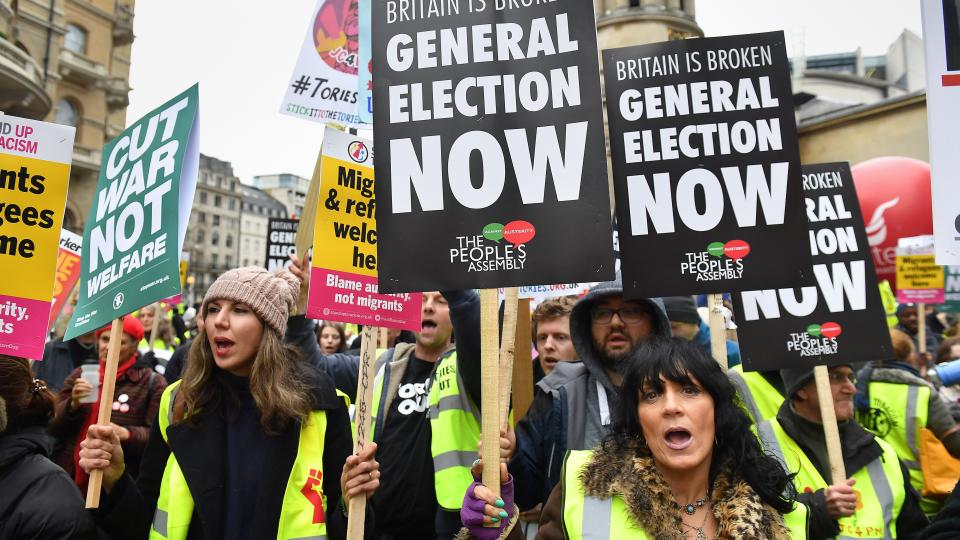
(276, 383)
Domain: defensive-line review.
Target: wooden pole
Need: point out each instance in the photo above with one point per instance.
(383, 341)
(828, 416)
(490, 389)
(304, 238)
(522, 363)
(368, 365)
(507, 351)
(718, 330)
(106, 405)
(922, 327)
(156, 324)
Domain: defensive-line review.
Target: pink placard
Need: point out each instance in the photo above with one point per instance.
(350, 298)
(921, 296)
(23, 326)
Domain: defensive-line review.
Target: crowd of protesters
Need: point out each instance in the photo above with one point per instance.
(234, 421)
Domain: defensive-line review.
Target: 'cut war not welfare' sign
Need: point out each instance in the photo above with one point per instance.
(491, 167)
(34, 175)
(343, 273)
(839, 319)
(706, 166)
(135, 229)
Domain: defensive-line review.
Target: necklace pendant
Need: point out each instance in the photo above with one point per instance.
(690, 509)
(701, 535)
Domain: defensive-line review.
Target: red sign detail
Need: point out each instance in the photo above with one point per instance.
(313, 494)
(830, 329)
(736, 249)
(951, 79)
(519, 232)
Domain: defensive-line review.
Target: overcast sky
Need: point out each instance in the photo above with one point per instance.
(243, 53)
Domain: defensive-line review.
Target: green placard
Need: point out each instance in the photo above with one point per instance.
(135, 229)
(951, 290)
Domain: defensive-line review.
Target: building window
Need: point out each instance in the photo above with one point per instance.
(232, 204)
(216, 201)
(67, 113)
(203, 218)
(229, 241)
(75, 40)
(203, 197)
(215, 240)
(200, 236)
(246, 262)
(214, 259)
(228, 261)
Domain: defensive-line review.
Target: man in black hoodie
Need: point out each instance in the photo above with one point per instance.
(573, 410)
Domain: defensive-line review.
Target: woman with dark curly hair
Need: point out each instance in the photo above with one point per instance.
(681, 462)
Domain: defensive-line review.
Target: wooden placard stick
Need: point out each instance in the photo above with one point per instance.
(922, 327)
(508, 343)
(304, 238)
(718, 330)
(156, 324)
(828, 416)
(490, 389)
(383, 341)
(522, 363)
(106, 404)
(368, 365)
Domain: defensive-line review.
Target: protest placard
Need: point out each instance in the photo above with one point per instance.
(491, 164)
(951, 289)
(323, 87)
(365, 100)
(839, 319)
(343, 274)
(281, 242)
(135, 229)
(706, 166)
(941, 39)
(34, 175)
(919, 279)
(67, 274)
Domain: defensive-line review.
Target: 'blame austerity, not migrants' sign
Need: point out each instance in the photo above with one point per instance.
(34, 174)
(706, 166)
(135, 229)
(839, 319)
(491, 167)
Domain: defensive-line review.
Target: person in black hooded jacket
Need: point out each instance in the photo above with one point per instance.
(37, 499)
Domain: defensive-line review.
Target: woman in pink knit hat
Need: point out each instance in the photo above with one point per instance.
(251, 443)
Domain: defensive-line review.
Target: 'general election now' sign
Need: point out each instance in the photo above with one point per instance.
(706, 166)
(343, 273)
(281, 242)
(34, 175)
(135, 229)
(840, 318)
(491, 167)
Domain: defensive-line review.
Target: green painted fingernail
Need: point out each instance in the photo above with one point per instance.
(499, 504)
(503, 514)
(495, 520)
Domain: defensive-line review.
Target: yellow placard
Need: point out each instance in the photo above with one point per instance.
(918, 272)
(345, 230)
(31, 214)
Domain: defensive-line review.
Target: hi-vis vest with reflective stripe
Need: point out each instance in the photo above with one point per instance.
(904, 412)
(303, 513)
(879, 487)
(586, 517)
(454, 429)
(760, 397)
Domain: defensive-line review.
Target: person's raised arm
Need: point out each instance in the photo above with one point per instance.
(465, 317)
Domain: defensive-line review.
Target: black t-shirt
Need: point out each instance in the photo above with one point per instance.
(406, 502)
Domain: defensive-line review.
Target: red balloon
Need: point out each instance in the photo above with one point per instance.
(895, 201)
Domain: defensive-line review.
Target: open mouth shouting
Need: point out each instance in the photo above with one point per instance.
(222, 346)
(678, 438)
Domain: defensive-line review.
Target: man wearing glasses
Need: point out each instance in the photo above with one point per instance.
(876, 500)
(573, 410)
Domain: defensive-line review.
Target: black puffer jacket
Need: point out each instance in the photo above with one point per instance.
(38, 501)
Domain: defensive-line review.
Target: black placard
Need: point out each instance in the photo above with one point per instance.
(281, 236)
(841, 318)
(706, 165)
(490, 161)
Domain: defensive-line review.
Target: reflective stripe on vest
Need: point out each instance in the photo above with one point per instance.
(591, 518)
(761, 398)
(303, 512)
(879, 485)
(455, 432)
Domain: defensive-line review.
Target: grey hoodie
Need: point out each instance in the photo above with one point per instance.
(584, 431)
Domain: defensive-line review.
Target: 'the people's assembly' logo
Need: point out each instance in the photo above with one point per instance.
(721, 260)
(817, 340)
(481, 256)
